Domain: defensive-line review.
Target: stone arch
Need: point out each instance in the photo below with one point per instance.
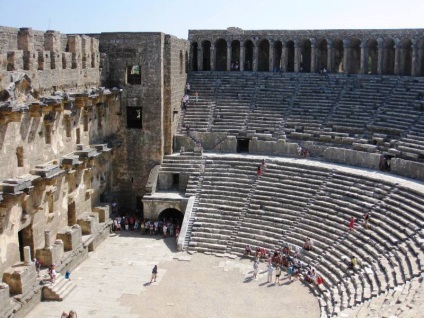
(372, 57)
(194, 57)
(206, 47)
(420, 57)
(172, 215)
(405, 59)
(305, 55)
(235, 55)
(290, 56)
(338, 49)
(263, 56)
(278, 51)
(221, 55)
(248, 55)
(355, 56)
(322, 53)
(388, 57)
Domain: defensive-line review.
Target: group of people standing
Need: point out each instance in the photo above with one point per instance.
(164, 227)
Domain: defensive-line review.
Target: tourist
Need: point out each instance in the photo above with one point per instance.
(351, 223)
(277, 274)
(247, 250)
(177, 231)
(270, 271)
(188, 88)
(353, 262)
(131, 222)
(73, 314)
(165, 230)
(196, 96)
(37, 264)
(126, 223)
(308, 244)
(136, 224)
(142, 228)
(255, 268)
(152, 228)
(52, 273)
(259, 171)
(366, 220)
(64, 315)
(68, 274)
(154, 273)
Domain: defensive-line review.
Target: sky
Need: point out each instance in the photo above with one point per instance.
(176, 17)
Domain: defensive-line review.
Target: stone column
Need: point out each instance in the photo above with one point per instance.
(47, 239)
(199, 58)
(402, 54)
(397, 57)
(27, 255)
(414, 59)
(346, 56)
(242, 53)
(212, 57)
(380, 56)
(26, 44)
(296, 56)
(229, 57)
(255, 58)
(284, 58)
(271, 55)
(330, 57)
(364, 59)
(313, 55)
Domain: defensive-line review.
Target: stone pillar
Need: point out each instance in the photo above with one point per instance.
(47, 239)
(255, 58)
(397, 57)
(414, 59)
(330, 57)
(271, 55)
(27, 255)
(296, 56)
(402, 54)
(242, 53)
(52, 41)
(199, 58)
(229, 57)
(313, 55)
(284, 58)
(26, 39)
(346, 56)
(212, 57)
(364, 59)
(380, 56)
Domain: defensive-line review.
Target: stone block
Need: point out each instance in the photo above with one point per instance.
(103, 211)
(101, 147)
(51, 255)
(47, 171)
(15, 186)
(71, 160)
(86, 152)
(89, 223)
(4, 297)
(20, 278)
(71, 238)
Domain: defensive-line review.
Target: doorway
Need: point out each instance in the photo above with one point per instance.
(242, 145)
(25, 238)
(172, 215)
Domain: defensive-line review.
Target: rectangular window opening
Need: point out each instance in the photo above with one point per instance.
(134, 75)
(134, 117)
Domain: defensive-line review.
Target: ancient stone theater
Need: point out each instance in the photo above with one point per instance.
(280, 137)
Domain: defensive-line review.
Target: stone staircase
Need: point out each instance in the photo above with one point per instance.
(363, 112)
(292, 200)
(59, 290)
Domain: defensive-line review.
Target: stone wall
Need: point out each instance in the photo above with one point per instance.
(157, 95)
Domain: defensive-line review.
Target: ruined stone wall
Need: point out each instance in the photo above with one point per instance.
(157, 95)
(39, 127)
(176, 61)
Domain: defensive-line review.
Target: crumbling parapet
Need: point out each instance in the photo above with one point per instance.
(71, 238)
(89, 223)
(103, 212)
(20, 278)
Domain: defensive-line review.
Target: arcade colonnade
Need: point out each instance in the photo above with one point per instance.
(391, 52)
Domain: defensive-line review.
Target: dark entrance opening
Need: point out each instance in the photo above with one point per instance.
(25, 239)
(194, 55)
(175, 180)
(172, 215)
(139, 207)
(242, 145)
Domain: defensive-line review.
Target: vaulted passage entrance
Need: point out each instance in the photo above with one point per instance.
(25, 238)
(172, 215)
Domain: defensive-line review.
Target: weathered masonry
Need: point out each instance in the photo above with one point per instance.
(389, 52)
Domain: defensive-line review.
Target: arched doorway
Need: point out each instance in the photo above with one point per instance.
(388, 57)
(248, 55)
(172, 215)
(278, 51)
(322, 54)
(338, 55)
(235, 55)
(206, 47)
(290, 56)
(263, 56)
(405, 62)
(355, 56)
(305, 55)
(221, 55)
(194, 50)
(372, 57)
